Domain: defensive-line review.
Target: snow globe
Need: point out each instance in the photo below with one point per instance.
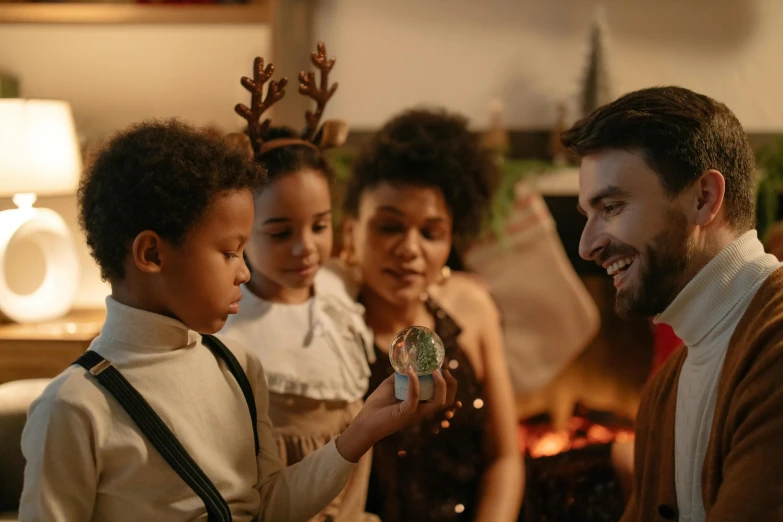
(421, 349)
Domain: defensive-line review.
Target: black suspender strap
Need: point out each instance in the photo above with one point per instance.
(159, 435)
(220, 350)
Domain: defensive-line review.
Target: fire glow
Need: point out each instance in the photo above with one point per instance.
(540, 440)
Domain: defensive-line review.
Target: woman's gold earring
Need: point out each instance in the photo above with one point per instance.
(445, 273)
(348, 257)
(345, 256)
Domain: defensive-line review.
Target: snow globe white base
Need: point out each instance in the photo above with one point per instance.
(426, 387)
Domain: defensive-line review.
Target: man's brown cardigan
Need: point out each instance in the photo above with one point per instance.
(742, 478)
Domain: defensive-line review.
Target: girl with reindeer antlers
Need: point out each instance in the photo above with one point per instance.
(296, 315)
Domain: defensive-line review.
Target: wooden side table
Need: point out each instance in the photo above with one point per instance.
(39, 350)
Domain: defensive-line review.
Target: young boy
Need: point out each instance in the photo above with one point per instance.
(167, 211)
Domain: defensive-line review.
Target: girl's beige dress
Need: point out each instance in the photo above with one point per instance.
(315, 360)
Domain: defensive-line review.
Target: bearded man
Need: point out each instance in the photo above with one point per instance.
(667, 184)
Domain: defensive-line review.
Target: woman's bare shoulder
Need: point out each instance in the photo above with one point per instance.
(466, 295)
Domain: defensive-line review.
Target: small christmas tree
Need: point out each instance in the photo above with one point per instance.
(597, 90)
(426, 353)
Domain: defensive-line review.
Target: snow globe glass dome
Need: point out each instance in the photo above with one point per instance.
(422, 350)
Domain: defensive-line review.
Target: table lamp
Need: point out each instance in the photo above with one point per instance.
(39, 156)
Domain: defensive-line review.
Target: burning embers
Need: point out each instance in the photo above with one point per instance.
(586, 427)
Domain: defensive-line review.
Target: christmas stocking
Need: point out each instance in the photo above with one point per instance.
(548, 315)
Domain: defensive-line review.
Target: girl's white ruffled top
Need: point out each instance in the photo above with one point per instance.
(317, 349)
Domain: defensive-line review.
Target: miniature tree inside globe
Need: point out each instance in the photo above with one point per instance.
(421, 349)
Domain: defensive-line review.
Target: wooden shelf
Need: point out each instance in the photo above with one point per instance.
(42, 350)
(76, 325)
(116, 13)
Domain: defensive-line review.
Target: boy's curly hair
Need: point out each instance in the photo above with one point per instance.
(430, 148)
(158, 175)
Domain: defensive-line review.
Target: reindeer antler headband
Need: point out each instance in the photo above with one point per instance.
(331, 134)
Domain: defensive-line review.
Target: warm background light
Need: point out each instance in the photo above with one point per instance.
(39, 150)
(39, 155)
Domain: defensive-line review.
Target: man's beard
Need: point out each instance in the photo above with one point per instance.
(660, 272)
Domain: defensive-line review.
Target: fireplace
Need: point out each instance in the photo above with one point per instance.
(571, 475)
(577, 432)
(572, 429)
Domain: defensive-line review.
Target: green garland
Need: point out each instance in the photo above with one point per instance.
(769, 160)
(341, 163)
(513, 171)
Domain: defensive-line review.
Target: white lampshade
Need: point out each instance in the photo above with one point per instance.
(39, 151)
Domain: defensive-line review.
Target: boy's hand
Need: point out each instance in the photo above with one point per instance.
(383, 414)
